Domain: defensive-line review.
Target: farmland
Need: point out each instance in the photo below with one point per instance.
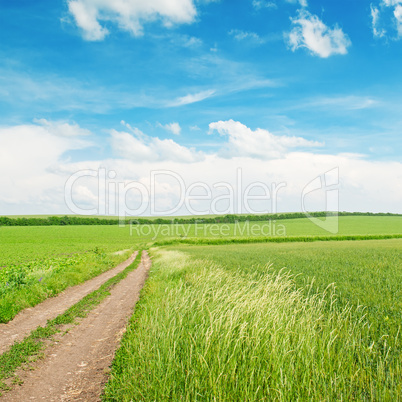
(19, 244)
(283, 321)
(242, 330)
(38, 262)
(258, 321)
(367, 273)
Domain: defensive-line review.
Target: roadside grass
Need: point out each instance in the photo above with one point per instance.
(32, 347)
(202, 331)
(25, 285)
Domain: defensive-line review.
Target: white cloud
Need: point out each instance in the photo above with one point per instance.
(192, 98)
(390, 3)
(129, 15)
(303, 3)
(189, 41)
(39, 93)
(375, 17)
(261, 144)
(182, 40)
(310, 32)
(62, 129)
(347, 102)
(364, 185)
(244, 35)
(28, 153)
(139, 147)
(398, 17)
(35, 168)
(259, 4)
(36, 94)
(174, 127)
(136, 131)
(387, 14)
(86, 17)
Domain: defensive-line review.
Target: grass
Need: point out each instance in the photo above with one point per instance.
(26, 244)
(259, 239)
(365, 273)
(215, 323)
(204, 331)
(25, 285)
(38, 243)
(33, 345)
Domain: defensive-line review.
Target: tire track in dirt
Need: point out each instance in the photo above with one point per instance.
(31, 318)
(75, 369)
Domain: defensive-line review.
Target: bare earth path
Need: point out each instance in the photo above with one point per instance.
(31, 318)
(75, 368)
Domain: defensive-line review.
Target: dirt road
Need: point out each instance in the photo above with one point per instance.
(31, 318)
(75, 369)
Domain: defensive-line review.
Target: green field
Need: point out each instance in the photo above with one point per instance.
(18, 244)
(367, 273)
(272, 321)
(27, 284)
(258, 321)
(40, 262)
(218, 323)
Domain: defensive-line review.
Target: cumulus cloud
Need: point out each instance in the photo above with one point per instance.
(311, 33)
(62, 129)
(86, 18)
(375, 17)
(29, 153)
(398, 18)
(261, 144)
(387, 14)
(390, 3)
(129, 15)
(33, 159)
(139, 147)
(364, 185)
(174, 128)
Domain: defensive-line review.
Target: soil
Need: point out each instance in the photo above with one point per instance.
(31, 318)
(75, 368)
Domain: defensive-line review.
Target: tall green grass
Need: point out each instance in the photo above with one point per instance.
(365, 273)
(203, 333)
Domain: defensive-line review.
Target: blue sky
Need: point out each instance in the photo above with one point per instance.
(188, 85)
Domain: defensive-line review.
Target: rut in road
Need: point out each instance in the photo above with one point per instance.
(31, 318)
(75, 368)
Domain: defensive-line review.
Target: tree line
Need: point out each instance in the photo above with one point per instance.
(82, 220)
